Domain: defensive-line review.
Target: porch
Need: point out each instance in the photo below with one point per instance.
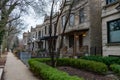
(76, 43)
(70, 52)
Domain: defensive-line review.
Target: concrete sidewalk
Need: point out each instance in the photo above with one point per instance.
(16, 70)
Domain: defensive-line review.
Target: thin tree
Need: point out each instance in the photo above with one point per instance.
(51, 49)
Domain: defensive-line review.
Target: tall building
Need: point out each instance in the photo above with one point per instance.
(111, 27)
(25, 36)
(83, 32)
(45, 33)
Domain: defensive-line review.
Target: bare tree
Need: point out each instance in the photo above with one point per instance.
(11, 10)
(13, 29)
(68, 12)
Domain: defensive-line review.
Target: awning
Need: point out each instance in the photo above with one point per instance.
(48, 37)
(74, 31)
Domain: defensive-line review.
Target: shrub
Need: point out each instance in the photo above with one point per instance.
(42, 59)
(107, 60)
(115, 68)
(93, 66)
(49, 73)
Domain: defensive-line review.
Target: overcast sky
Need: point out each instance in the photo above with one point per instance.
(31, 19)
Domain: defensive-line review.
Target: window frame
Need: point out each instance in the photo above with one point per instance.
(39, 34)
(81, 15)
(110, 2)
(55, 26)
(71, 41)
(108, 31)
(45, 29)
(73, 23)
(62, 20)
(36, 35)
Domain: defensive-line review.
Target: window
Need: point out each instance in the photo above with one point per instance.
(45, 30)
(63, 20)
(71, 41)
(55, 26)
(50, 29)
(114, 31)
(39, 34)
(36, 34)
(81, 16)
(42, 33)
(71, 21)
(110, 1)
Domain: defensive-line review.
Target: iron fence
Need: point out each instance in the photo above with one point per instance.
(25, 56)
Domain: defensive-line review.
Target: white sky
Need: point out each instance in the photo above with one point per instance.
(31, 19)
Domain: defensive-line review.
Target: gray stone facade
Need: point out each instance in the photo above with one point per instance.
(109, 13)
(86, 33)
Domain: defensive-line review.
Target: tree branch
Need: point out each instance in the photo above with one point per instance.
(12, 7)
(13, 19)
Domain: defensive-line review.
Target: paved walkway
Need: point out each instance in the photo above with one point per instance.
(16, 70)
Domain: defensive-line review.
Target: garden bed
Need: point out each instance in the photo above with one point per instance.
(49, 73)
(3, 59)
(89, 70)
(106, 60)
(87, 75)
(2, 64)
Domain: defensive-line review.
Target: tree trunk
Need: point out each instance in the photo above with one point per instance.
(50, 34)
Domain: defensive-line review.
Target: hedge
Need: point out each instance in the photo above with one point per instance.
(44, 60)
(107, 60)
(49, 73)
(115, 68)
(93, 66)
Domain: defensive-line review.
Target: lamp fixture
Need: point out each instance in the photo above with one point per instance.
(84, 34)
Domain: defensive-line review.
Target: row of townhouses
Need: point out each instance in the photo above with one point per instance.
(93, 29)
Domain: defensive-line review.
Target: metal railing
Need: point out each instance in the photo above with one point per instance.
(25, 56)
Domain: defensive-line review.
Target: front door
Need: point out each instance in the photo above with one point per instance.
(80, 40)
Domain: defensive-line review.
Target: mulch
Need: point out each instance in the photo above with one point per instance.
(2, 61)
(87, 75)
(2, 64)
